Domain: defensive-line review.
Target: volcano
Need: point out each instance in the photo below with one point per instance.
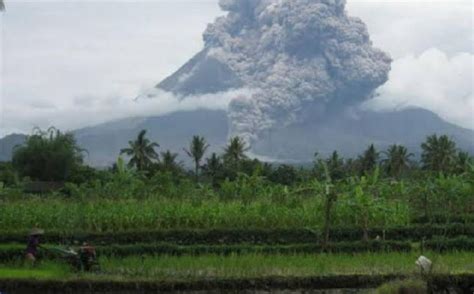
(303, 71)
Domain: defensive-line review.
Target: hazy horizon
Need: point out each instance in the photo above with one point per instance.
(74, 64)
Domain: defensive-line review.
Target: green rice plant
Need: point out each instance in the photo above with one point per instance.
(42, 271)
(262, 265)
(246, 266)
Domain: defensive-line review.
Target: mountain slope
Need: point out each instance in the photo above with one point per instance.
(173, 132)
(349, 134)
(203, 74)
(8, 143)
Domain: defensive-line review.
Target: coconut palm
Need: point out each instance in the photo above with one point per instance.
(335, 165)
(169, 163)
(214, 168)
(439, 154)
(235, 150)
(197, 149)
(369, 160)
(397, 160)
(141, 152)
(463, 162)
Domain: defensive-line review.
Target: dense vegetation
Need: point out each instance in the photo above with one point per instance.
(230, 216)
(378, 189)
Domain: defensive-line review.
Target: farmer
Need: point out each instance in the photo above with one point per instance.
(33, 244)
(88, 256)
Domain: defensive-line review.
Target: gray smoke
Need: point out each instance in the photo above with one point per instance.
(303, 59)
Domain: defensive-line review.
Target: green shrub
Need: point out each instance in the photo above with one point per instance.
(248, 235)
(410, 286)
(462, 243)
(13, 252)
(441, 219)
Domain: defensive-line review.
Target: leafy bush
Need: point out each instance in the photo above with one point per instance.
(48, 156)
(239, 236)
(462, 243)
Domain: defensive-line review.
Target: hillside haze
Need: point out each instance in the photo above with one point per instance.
(303, 69)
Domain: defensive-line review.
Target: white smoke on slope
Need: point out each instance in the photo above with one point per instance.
(433, 81)
(90, 110)
(302, 58)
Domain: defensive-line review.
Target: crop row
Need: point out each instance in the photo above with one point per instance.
(252, 236)
(14, 252)
(461, 243)
(441, 219)
(105, 215)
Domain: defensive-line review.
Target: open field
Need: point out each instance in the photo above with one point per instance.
(159, 233)
(251, 271)
(246, 266)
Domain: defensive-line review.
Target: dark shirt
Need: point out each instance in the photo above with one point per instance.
(32, 247)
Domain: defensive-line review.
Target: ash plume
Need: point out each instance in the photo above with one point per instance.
(302, 59)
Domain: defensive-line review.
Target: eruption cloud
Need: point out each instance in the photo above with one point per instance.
(302, 59)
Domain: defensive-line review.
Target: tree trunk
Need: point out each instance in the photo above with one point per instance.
(196, 171)
(327, 218)
(366, 229)
(425, 206)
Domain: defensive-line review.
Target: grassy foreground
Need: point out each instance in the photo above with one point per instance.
(185, 268)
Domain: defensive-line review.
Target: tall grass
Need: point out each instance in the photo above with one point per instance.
(101, 215)
(121, 206)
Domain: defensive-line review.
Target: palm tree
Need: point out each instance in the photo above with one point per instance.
(141, 151)
(369, 160)
(197, 149)
(169, 163)
(397, 160)
(335, 165)
(235, 151)
(214, 168)
(463, 162)
(439, 154)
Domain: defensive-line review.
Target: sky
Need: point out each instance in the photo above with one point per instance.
(74, 63)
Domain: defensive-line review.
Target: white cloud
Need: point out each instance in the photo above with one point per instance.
(412, 27)
(433, 81)
(89, 111)
(61, 57)
(66, 62)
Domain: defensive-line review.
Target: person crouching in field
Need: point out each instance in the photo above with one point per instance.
(33, 244)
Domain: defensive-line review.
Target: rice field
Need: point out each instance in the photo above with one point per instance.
(186, 268)
(269, 232)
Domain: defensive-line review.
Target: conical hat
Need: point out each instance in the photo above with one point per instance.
(36, 231)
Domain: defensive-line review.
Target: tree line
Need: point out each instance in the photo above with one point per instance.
(53, 156)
